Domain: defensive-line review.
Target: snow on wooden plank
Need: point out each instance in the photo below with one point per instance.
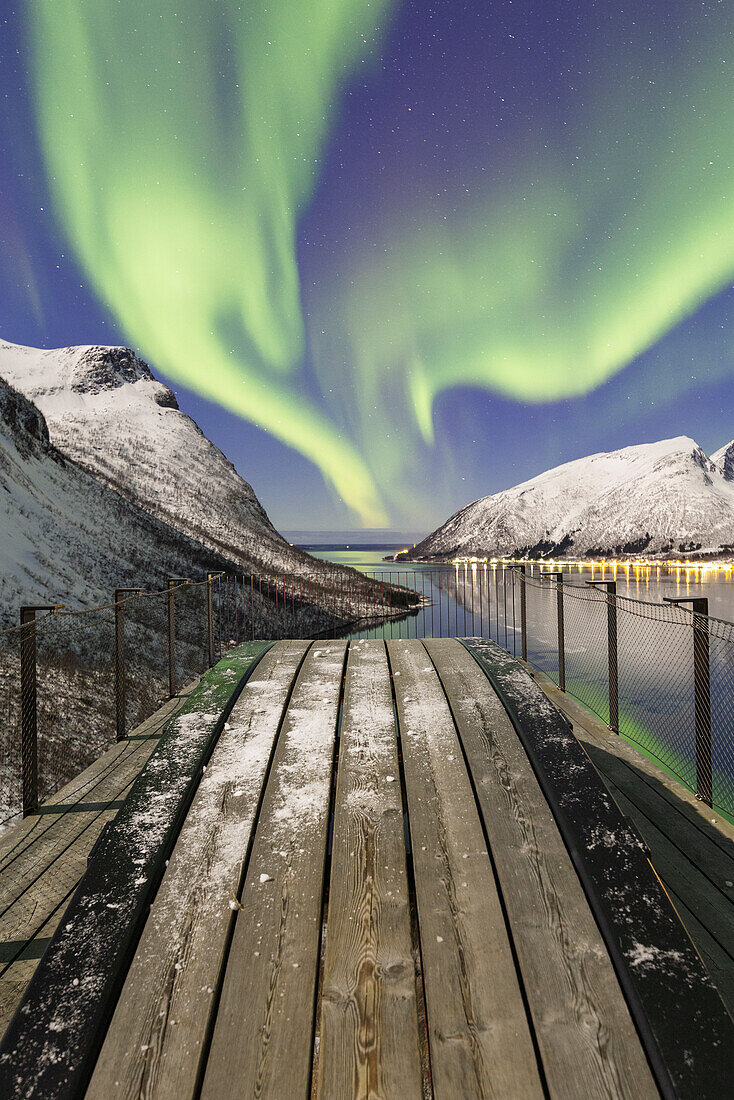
(369, 1040)
(26, 846)
(157, 1036)
(34, 879)
(480, 1040)
(54, 1036)
(262, 1041)
(44, 857)
(688, 1034)
(571, 986)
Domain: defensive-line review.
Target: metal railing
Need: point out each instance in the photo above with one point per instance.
(72, 683)
(659, 674)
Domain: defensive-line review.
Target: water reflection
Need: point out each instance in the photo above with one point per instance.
(654, 641)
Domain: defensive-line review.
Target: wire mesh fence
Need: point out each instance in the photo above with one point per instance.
(72, 683)
(662, 675)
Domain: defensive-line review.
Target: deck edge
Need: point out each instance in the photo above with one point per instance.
(52, 1040)
(687, 1033)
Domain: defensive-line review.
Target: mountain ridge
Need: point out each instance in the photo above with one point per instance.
(107, 411)
(64, 536)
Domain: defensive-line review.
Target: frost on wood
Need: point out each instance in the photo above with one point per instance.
(102, 915)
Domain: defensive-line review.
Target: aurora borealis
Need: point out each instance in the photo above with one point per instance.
(418, 246)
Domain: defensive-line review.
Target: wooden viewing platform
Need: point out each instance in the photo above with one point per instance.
(368, 870)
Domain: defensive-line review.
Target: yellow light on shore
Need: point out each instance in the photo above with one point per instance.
(698, 569)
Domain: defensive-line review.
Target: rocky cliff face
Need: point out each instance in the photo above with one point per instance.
(665, 498)
(724, 459)
(22, 422)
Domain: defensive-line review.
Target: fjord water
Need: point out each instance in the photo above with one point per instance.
(648, 583)
(654, 642)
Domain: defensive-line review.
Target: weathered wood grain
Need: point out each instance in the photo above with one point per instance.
(84, 787)
(687, 840)
(63, 821)
(157, 1036)
(51, 1043)
(47, 872)
(698, 829)
(47, 876)
(43, 857)
(16, 975)
(369, 1041)
(716, 959)
(588, 1043)
(713, 911)
(263, 1036)
(480, 1039)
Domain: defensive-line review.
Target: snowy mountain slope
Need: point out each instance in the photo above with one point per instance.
(106, 411)
(656, 498)
(66, 538)
(724, 459)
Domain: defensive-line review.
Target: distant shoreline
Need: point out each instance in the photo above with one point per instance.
(693, 558)
(336, 546)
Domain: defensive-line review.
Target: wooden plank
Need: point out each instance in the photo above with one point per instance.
(156, 1039)
(369, 1041)
(681, 835)
(37, 911)
(688, 1039)
(715, 833)
(52, 1042)
(706, 844)
(42, 839)
(83, 787)
(712, 910)
(55, 831)
(262, 1041)
(717, 961)
(44, 857)
(17, 975)
(479, 1035)
(45, 872)
(588, 1043)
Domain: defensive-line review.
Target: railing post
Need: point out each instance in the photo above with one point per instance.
(558, 578)
(561, 633)
(210, 618)
(613, 655)
(702, 690)
(173, 583)
(612, 651)
(120, 673)
(523, 615)
(29, 708)
(701, 694)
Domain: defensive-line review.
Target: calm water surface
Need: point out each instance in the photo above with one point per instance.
(655, 647)
(646, 583)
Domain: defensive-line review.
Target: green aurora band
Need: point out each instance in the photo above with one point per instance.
(586, 254)
(578, 257)
(179, 185)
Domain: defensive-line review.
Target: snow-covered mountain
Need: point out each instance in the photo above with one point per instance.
(663, 498)
(108, 485)
(106, 411)
(66, 538)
